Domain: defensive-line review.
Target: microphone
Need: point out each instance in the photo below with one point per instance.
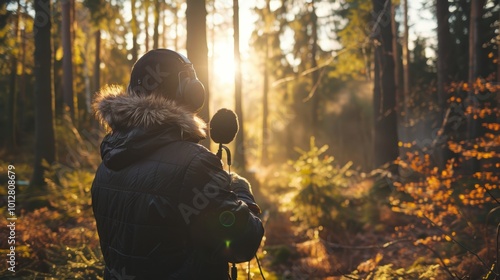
(223, 129)
(224, 126)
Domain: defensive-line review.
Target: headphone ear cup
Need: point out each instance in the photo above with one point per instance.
(190, 91)
(193, 94)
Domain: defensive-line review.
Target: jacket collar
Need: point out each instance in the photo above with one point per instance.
(118, 110)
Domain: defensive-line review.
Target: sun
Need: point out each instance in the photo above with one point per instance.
(223, 65)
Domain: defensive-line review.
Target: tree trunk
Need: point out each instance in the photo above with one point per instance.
(498, 55)
(240, 157)
(443, 75)
(146, 23)
(12, 101)
(68, 96)
(156, 34)
(73, 28)
(384, 95)
(44, 126)
(472, 123)
(22, 84)
(400, 100)
(163, 37)
(265, 101)
(406, 59)
(212, 40)
(197, 48)
(265, 108)
(135, 31)
(315, 73)
(473, 32)
(88, 88)
(97, 61)
(176, 23)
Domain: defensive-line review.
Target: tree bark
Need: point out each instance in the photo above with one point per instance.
(475, 13)
(44, 126)
(163, 35)
(197, 48)
(146, 23)
(265, 95)
(400, 100)
(22, 83)
(406, 57)
(176, 23)
(240, 158)
(384, 95)
(135, 31)
(498, 55)
(73, 28)
(444, 46)
(68, 95)
(97, 61)
(315, 74)
(472, 123)
(156, 35)
(443, 75)
(12, 122)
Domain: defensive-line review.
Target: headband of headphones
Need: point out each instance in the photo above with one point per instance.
(149, 73)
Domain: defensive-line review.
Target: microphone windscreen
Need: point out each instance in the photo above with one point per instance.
(223, 126)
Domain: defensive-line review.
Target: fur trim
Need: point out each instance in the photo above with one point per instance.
(115, 108)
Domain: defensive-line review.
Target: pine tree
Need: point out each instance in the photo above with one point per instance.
(44, 124)
(384, 94)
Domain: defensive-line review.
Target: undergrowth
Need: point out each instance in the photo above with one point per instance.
(56, 235)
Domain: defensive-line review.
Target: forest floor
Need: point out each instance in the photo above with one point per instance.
(61, 241)
(289, 252)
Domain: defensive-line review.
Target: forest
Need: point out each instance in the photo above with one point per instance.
(369, 129)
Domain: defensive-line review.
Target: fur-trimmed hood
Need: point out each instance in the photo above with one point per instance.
(116, 109)
(140, 125)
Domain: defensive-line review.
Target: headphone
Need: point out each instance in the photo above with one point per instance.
(190, 90)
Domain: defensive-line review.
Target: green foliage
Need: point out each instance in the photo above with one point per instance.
(60, 241)
(315, 186)
(280, 254)
(443, 210)
(52, 246)
(70, 191)
(353, 30)
(441, 221)
(77, 148)
(99, 11)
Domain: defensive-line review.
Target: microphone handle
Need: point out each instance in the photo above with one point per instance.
(228, 153)
(219, 152)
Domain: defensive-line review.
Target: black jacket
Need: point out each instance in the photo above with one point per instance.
(163, 204)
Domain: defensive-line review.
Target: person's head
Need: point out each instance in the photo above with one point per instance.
(169, 74)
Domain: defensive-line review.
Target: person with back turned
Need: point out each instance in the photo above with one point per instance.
(164, 206)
